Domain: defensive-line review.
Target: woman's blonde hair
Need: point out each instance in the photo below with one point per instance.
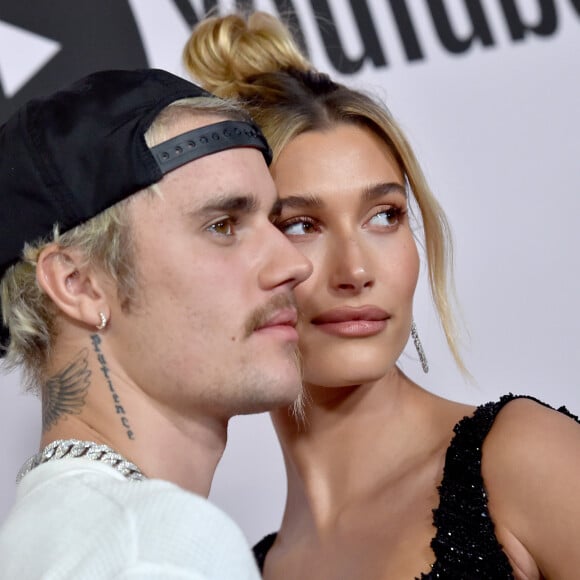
(105, 241)
(256, 60)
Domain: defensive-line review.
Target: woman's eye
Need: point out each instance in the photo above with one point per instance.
(297, 228)
(387, 218)
(224, 227)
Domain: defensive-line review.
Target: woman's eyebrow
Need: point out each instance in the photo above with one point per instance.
(369, 193)
(302, 201)
(380, 189)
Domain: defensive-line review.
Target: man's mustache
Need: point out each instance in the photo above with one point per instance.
(263, 314)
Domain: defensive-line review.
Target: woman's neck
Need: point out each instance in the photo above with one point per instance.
(331, 455)
(354, 441)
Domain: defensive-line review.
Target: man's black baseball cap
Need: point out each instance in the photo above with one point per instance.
(69, 156)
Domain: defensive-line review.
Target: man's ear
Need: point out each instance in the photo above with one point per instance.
(74, 286)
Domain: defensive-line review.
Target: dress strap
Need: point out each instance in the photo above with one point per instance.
(262, 548)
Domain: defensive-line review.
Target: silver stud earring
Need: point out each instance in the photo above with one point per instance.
(419, 348)
(103, 322)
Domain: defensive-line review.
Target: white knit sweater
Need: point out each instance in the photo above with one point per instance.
(80, 519)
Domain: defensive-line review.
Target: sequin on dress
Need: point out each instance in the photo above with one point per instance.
(465, 545)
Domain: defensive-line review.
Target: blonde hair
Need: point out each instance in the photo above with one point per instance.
(256, 60)
(105, 241)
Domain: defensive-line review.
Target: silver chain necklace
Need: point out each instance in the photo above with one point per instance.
(70, 448)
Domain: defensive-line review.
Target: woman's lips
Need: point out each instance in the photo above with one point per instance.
(352, 322)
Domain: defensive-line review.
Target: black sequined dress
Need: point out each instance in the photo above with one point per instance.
(465, 545)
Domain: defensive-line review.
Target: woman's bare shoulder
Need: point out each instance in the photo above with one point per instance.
(531, 469)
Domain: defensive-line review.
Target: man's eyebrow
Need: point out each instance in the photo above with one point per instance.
(244, 203)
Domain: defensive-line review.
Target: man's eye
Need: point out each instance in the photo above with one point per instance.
(225, 227)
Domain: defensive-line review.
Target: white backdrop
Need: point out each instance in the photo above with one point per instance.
(497, 129)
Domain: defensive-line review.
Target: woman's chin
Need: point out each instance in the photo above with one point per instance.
(347, 367)
(346, 377)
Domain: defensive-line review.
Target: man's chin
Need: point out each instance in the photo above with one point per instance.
(290, 398)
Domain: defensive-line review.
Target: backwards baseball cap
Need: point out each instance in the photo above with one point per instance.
(69, 156)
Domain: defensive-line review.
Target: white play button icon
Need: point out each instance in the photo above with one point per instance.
(22, 55)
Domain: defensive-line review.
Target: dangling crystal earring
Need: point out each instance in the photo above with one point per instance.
(419, 348)
(103, 323)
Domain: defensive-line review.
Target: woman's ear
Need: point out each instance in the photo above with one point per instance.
(75, 287)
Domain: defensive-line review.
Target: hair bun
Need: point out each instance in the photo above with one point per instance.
(224, 54)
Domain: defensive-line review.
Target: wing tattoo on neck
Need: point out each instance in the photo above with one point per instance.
(65, 392)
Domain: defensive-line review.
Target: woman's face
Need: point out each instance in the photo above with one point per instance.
(344, 206)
